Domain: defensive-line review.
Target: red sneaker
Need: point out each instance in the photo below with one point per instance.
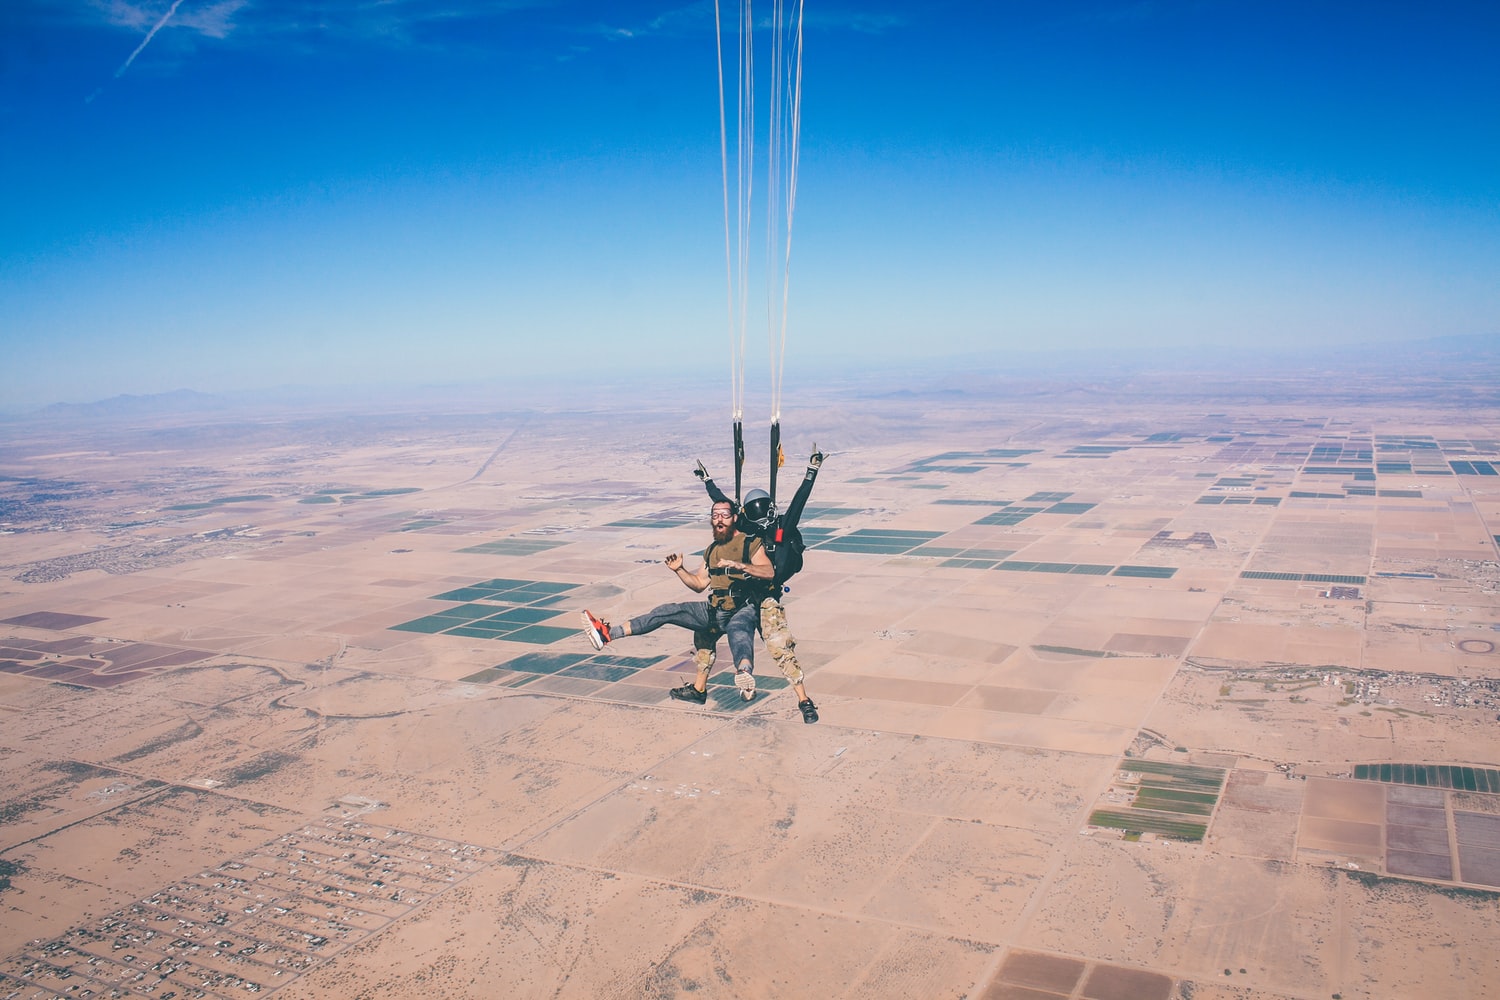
(597, 631)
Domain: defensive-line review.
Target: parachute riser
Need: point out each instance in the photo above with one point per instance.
(775, 457)
(739, 459)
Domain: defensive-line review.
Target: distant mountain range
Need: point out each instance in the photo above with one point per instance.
(1231, 359)
(156, 404)
(1434, 356)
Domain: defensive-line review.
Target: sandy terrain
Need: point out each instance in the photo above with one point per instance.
(1157, 696)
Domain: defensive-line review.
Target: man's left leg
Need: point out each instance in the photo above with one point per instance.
(740, 630)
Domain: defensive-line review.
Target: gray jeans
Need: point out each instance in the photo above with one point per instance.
(707, 623)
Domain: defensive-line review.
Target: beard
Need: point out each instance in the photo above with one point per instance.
(723, 531)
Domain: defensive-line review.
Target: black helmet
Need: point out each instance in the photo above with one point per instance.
(759, 510)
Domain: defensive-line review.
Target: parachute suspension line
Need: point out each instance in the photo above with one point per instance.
(785, 127)
(737, 235)
(746, 166)
(746, 176)
(794, 150)
(735, 403)
(783, 145)
(784, 139)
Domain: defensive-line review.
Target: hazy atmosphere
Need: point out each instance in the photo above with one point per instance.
(228, 194)
(1139, 641)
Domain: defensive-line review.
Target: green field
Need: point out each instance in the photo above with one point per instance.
(1458, 776)
(1160, 800)
(1169, 800)
(1141, 822)
(1191, 774)
(498, 609)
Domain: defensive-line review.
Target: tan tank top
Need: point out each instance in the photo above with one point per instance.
(721, 578)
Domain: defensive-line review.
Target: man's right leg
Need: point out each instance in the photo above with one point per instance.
(691, 615)
(697, 617)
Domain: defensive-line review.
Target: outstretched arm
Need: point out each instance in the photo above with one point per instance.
(794, 509)
(715, 494)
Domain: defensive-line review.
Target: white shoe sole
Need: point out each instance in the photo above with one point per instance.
(746, 683)
(590, 631)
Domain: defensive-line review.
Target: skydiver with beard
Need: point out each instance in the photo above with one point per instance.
(735, 572)
(784, 546)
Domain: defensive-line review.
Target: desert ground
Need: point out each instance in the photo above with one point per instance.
(1168, 688)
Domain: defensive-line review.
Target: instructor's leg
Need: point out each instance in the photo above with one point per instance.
(783, 649)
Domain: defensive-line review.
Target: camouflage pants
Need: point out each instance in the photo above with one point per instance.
(779, 641)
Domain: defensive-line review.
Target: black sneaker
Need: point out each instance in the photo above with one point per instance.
(689, 693)
(809, 711)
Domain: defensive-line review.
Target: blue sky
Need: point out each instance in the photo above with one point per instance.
(264, 192)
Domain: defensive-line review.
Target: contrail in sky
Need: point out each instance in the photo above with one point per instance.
(147, 40)
(144, 42)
